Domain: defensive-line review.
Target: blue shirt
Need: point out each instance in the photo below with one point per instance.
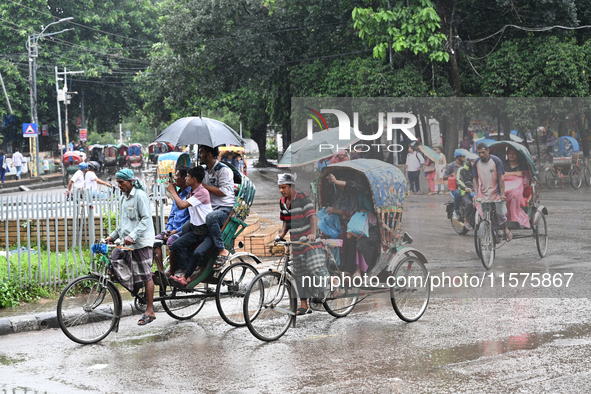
(178, 217)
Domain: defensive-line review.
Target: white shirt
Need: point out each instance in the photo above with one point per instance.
(17, 159)
(414, 161)
(82, 155)
(90, 180)
(78, 180)
(222, 177)
(200, 205)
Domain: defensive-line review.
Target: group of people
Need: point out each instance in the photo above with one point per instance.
(235, 159)
(17, 163)
(203, 201)
(434, 171)
(86, 180)
(490, 178)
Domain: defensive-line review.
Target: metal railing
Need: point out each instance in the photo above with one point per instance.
(47, 236)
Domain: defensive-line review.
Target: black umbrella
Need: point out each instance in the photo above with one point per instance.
(200, 131)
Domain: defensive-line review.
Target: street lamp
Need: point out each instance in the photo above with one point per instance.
(33, 53)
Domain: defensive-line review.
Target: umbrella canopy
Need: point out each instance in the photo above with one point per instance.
(467, 154)
(200, 131)
(307, 151)
(523, 152)
(431, 154)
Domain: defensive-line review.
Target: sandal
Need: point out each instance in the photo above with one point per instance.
(303, 311)
(179, 281)
(146, 319)
(220, 261)
(508, 235)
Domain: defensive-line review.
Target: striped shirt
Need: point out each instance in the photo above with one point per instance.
(297, 217)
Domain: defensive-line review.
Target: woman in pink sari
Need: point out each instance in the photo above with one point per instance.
(516, 178)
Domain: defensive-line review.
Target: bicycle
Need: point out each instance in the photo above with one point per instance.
(270, 301)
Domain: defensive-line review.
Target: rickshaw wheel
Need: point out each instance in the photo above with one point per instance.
(269, 306)
(587, 175)
(551, 178)
(182, 308)
(342, 303)
(485, 244)
(411, 291)
(541, 231)
(575, 177)
(231, 289)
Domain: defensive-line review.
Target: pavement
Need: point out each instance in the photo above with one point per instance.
(46, 181)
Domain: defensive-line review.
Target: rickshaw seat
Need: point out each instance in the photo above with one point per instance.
(527, 195)
(240, 211)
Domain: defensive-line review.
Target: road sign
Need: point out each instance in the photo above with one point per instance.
(44, 129)
(82, 134)
(29, 129)
(128, 134)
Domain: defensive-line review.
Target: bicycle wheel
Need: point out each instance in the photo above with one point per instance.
(551, 178)
(410, 295)
(341, 303)
(486, 244)
(269, 306)
(576, 180)
(230, 291)
(87, 311)
(587, 175)
(181, 304)
(458, 228)
(541, 231)
(476, 239)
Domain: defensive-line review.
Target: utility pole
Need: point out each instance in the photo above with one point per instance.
(6, 95)
(64, 95)
(33, 52)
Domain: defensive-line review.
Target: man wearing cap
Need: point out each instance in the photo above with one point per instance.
(77, 180)
(133, 266)
(299, 218)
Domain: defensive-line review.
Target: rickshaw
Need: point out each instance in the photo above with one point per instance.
(135, 158)
(92, 314)
(70, 161)
(168, 164)
(155, 149)
(487, 238)
(122, 155)
(110, 152)
(271, 298)
(565, 162)
(232, 150)
(96, 153)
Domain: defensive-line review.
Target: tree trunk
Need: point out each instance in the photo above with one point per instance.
(584, 133)
(506, 128)
(259, 135)
(426, 131)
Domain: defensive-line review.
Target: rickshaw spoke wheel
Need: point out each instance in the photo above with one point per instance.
(551, 178)
(575, 177)
(183, 308)
(87, 311)
(541, 230)
(485, 244)
(231, 289)
(411, 290)
(269, 306)
(342, 301)
(587, 175)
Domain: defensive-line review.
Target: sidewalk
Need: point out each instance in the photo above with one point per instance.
(50, 180)
(42, 315)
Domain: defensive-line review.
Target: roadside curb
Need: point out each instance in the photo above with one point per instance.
(42, 185)
(47, 320)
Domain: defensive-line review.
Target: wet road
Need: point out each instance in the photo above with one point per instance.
(463, 343)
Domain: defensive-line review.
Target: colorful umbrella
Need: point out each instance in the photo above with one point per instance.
(431, 154)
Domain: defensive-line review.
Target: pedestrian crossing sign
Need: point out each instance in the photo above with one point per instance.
(29, 129)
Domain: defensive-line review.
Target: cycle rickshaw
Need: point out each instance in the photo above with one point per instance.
(90, 316)
(271, 298)
(70, 161)
(135, 156)
(110, 152)
(122, 155)
(566, 162)
(486, 238)
(155, 149)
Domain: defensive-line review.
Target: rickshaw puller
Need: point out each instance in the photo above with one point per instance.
(299, 218)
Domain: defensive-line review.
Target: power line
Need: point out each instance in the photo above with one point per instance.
(530, 29)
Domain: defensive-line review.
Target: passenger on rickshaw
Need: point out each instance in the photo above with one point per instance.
(219, 182)
(452, 169)
(489, 181)
(299, 218)
(199, 207)
(516, 178)
(78, 179)
(133, 268)
(339, 157)
(464, 180)
(359, 251)
(176, 219)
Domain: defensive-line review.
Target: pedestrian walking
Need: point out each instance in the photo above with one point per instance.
(440, 171)
(3, 165)
(414, 161)
(17, 162)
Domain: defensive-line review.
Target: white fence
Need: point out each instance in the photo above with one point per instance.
(47, 236)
